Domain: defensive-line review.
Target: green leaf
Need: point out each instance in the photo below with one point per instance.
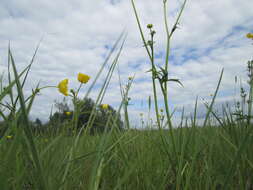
(176, 80)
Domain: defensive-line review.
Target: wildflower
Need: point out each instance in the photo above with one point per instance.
(249, 35)
(63, 87)
(149, 26)
(9, 137)
(105, 106)
(83, 78)
(68, 113)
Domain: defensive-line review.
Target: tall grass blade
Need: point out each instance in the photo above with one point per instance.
(213, 99)
(27, 130)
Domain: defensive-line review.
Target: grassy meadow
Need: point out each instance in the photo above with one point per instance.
(213, 155)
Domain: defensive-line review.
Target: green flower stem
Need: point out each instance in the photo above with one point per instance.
(141, 32)
(126, 117)
(168, 118)
(250, 66)
(168, 37)
(76, 108)
(250, 103)
(151, 57)
(80, 86)
(165, 87)
(153, 81)
(125, 100)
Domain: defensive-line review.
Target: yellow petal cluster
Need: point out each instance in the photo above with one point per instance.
(83, 78)
(249, 35)
(68, 113)
(63, 87)
(105, 106)
(9, 137)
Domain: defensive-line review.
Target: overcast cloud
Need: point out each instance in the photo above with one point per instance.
(76, 36)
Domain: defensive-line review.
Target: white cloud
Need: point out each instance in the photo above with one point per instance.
(76, 35)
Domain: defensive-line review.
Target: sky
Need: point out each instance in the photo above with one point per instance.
(77, 36)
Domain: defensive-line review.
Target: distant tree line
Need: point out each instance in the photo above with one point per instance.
(62, 120)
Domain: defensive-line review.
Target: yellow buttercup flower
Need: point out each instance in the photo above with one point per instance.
(249, 35)
(105, 106)
(83, 78)
(9, 137)
(68, 113)
(63, 87)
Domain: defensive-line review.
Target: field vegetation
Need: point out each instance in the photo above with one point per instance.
(93, 146)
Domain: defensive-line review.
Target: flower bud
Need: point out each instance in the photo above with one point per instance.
(149, 26)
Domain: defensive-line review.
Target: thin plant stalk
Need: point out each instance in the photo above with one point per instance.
(250, 67)
(213, 99)
(152, 64)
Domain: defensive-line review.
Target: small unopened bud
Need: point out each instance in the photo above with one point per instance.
(37, 90)
(72, 91)
(149, 26)
(150, 43)
(34, 92)
(130, 78)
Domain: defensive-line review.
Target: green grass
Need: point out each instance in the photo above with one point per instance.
(209, 158)
(161, 157)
